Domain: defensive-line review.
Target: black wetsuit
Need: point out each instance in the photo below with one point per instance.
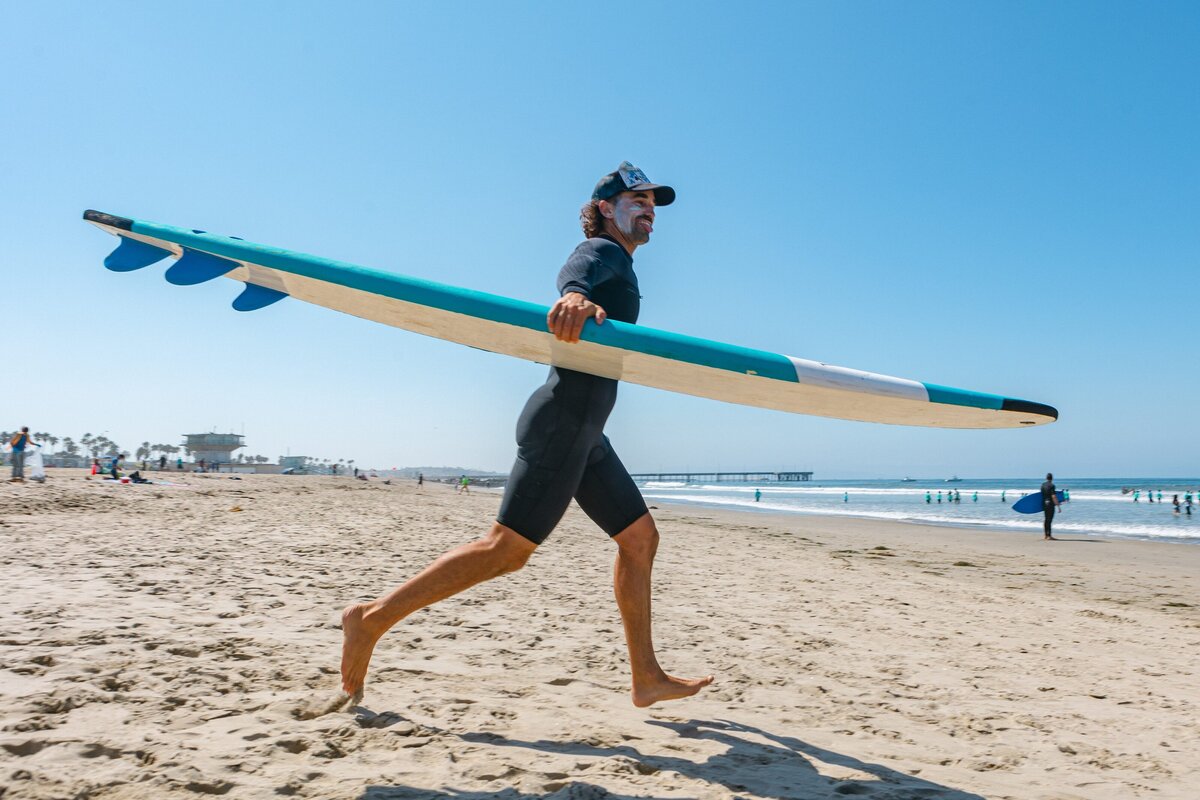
(1049, 504)
(562, 451)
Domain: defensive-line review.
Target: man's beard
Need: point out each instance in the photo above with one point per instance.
(635, 234)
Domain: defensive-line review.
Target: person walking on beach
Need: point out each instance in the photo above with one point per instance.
(19, 441)
(1049, 505)
(562, 453)
(420, 479)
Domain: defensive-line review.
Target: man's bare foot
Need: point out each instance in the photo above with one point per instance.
(358, 642)
(667, 688)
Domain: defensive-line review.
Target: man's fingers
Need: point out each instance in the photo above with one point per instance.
(566, 321)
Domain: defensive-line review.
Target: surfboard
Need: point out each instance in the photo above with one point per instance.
(617, 350)
(1032, 503)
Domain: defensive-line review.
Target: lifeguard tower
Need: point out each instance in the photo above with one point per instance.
(214, 448)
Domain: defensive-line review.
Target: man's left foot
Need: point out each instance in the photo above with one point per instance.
(668, 688)
(358, 642)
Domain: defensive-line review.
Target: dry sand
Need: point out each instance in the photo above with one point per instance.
(164, 642)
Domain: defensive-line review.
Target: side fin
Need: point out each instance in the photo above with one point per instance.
(132, 254)
(254, 297)
(197, 267)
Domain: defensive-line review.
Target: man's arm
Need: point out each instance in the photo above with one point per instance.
(568, 314)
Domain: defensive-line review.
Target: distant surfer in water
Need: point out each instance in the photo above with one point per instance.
(1049, 505)
(562, 454)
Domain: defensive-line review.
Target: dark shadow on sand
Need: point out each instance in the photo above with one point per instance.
(779, 768)
(570, 790)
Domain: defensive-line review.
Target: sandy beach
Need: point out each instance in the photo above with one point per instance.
(176, 641)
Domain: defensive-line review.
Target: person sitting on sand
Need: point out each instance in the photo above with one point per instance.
(562, 454)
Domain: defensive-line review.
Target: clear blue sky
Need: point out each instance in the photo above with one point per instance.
(998, 196)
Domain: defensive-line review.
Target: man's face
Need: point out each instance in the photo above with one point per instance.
(633, 215)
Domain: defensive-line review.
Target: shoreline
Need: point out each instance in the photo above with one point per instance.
(992, 540)
(956, 525)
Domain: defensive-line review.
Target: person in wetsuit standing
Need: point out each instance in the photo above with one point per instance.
(1049, 504)
(562, 453)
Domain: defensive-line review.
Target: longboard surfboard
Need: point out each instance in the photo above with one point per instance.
(1032, 503)
(617, 350)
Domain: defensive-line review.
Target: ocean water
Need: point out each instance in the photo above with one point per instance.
(1098, 506)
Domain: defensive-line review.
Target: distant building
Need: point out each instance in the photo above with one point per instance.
(213, 448)
(294, 463)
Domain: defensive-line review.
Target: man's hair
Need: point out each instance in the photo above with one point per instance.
(591, 220)
(1049, 476)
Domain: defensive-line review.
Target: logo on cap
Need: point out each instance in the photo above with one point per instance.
(633, 176)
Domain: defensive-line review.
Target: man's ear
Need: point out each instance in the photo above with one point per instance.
(606, 209)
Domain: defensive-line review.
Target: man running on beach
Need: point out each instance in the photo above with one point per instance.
(562, 453)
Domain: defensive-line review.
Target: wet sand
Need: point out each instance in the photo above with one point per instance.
(178, 642)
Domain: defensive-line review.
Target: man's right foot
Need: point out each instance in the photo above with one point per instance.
(668, 688)
(357, 645)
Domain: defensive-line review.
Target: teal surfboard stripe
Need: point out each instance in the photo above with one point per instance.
(962, 397)
(663, 344)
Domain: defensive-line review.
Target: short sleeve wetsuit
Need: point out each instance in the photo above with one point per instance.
(562, 451)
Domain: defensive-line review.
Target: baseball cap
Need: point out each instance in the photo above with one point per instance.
(628, 178)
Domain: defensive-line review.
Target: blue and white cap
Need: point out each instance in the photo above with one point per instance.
(628, 178)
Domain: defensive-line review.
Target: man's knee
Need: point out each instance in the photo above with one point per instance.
(509, 549)
(639, 540)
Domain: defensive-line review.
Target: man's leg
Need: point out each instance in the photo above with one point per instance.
(18, 464)
(501, 551)
(636, 546)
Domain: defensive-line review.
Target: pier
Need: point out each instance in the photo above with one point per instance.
(717, 477)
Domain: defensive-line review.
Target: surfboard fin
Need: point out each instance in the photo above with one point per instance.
(132, 254)
(254, 297)
(197, 267)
